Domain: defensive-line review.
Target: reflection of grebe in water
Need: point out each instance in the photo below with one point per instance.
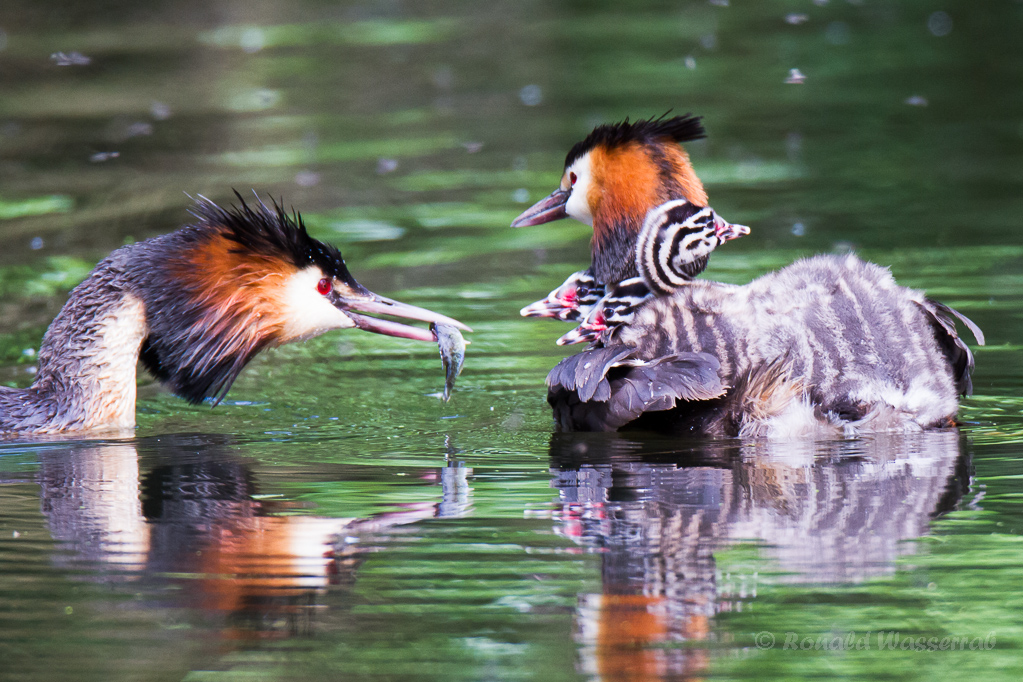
(657, 517)
(195, 520)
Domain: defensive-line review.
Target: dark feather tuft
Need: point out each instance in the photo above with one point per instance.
(683, 128)
(942, 319)
(270, 231)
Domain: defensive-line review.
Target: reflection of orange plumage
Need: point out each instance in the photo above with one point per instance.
(251, 561)
(630, 628)
(633, 631)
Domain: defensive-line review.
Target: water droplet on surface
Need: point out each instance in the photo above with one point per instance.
(69, 59)
(252, 39)
(385, 166)
(939, 24)
(690, 62)
(794, 146)
(520, 196)
(307, 178)
(160, 111)
(444, 77)
(36, 243)
(100, 157)
(799, 229)
(531, 95)
(837, 33)
(796, 77)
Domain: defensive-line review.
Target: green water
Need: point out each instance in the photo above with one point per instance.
(332, 519)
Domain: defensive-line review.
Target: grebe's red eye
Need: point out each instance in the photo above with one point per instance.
(324, 286)
(572, 178)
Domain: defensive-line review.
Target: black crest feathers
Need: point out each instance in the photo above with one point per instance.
(271, 231)
(683, 128)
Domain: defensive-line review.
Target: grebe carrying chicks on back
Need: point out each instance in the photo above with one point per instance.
(829, 345)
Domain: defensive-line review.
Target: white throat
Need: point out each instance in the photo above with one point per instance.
(578, 205)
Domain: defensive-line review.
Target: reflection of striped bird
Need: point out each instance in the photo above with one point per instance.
(673, 248)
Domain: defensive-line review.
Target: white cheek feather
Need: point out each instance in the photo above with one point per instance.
(578, 205)
(307, 312)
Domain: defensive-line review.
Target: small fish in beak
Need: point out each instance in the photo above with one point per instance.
(380, 305)
(452, 354)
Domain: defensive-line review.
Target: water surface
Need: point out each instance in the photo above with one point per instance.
(332, 519)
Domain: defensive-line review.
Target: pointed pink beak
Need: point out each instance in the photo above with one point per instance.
(379, 305)
(726, 231)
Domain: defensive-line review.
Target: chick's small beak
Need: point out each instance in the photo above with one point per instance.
(379, 305)
(551, 207)
(726, 231)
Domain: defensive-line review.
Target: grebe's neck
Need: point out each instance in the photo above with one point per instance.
(88, 357)
(627, 183)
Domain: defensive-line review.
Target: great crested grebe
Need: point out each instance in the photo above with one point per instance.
(827, 345)
(611, 180)
(194, 306)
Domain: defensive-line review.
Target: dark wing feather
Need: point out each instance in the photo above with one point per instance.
(584, 373)
(960, 359)
(590, 392)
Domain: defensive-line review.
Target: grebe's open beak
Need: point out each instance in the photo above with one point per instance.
(551, 207)
(379, 305)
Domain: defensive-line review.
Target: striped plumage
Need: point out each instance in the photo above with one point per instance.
(676, 241)
(616, 308)
(826, 345)
(672, 249)
(571, 301)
